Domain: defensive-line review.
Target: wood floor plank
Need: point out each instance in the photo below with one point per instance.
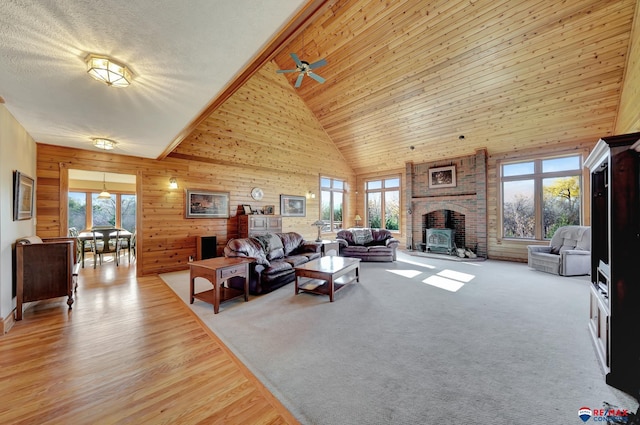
(128, 352)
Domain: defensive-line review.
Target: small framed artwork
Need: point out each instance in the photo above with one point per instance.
(293, 206)
(206, 204)
(22, 196)
(269, 209)
(246, 209)
(442, 177)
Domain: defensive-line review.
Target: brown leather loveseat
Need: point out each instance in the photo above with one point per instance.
(367, 244)
(275, 254)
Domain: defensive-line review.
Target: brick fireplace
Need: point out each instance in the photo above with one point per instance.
(461, 208)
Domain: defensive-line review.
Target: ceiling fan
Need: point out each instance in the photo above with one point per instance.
(304, 67)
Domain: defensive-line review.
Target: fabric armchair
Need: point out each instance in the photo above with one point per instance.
(568, 252)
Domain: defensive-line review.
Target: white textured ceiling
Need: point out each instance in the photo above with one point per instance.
(182, 54)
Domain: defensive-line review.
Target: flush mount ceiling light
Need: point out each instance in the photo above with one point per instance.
(106, 144)
(108, 71)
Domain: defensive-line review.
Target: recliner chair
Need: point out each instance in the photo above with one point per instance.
(568, 253)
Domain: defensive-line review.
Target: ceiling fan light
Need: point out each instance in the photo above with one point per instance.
(108, 71)
(106, 144)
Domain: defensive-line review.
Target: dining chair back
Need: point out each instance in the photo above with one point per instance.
(103, 244)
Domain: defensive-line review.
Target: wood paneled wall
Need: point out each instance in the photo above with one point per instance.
(265, 125)
(628, 120)
(263, 136)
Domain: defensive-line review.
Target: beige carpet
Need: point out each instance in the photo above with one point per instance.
(422, 341)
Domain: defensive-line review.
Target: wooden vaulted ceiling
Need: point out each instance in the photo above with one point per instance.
(405, 79)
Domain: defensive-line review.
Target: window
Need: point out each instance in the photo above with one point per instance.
(128, 212)
(78, 210)
(104, 210)
(540, 195)
(383, 203)
(86, 210)
(331, 203)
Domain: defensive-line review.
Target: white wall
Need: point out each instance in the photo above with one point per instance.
(17, 152)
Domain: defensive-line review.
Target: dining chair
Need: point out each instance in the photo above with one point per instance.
(103, 244)
(122, 243)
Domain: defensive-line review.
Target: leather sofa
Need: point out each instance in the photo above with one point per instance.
(275, 254)
(568, 252)
(367, 244)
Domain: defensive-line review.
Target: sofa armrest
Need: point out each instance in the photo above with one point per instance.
(343, 243)
(239, 254)
(575, 252)
(575, 262)
(310, 246)
(392, 242)
(539, 248)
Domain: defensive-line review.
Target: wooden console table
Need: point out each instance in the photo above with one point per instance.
(217, 271)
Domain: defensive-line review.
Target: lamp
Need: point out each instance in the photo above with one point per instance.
(357, 219)
(108, 71)
(104, 194)
(311, 195)
(173, 183)
(319, 224)
(106, 144)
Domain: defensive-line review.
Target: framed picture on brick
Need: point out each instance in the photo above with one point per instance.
(442, 177)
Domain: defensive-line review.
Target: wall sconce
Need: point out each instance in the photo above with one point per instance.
(173, 183)
(357, 219)
(108, 71)
(311, 195)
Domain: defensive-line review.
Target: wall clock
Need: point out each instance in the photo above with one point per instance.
(257, 193)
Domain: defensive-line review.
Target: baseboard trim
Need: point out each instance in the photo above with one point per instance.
(7, 323)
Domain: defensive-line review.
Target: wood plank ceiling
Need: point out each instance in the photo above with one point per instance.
(405, 79)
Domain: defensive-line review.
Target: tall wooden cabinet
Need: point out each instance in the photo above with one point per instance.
(615, 259)
(258, 224)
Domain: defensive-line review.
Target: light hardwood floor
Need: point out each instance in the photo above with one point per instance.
(129, 352)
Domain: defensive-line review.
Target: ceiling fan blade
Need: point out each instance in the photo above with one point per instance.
(282, 71)
(318, 64)
(299, 80)
(296, 59)
(316, 77)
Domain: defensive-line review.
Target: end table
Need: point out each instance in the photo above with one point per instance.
(217, 271)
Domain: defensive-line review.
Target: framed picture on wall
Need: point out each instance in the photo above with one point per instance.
(293, 206)
(206, 204)
(442, 177)
(22, 196)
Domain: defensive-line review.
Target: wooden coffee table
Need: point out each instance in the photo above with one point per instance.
(217, 271)
(327, 275)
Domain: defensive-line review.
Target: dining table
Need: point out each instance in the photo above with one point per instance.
(105, 233)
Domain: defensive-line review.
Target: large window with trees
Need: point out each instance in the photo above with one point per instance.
(77, 210)
(86, 210)
(540, 195)
(331, 203)
(383, 203)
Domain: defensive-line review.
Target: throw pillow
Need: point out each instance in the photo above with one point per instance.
(272, 245)
(362, 236)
